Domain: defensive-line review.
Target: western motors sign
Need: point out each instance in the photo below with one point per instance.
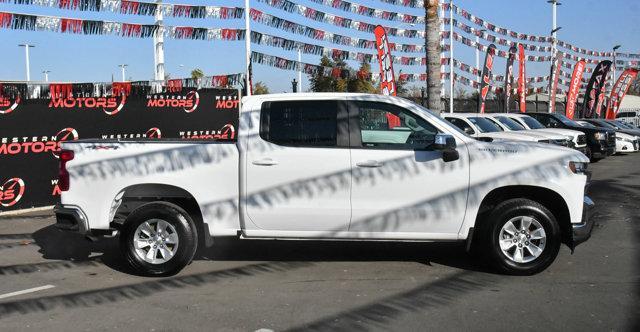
(31, 130)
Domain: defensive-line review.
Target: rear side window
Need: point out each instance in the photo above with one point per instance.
(300, 123)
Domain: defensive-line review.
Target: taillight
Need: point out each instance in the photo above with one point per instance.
(63, 175)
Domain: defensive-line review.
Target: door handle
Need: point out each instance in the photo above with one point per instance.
(369, 163)
(265, 162)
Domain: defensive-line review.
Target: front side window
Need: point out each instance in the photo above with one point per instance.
(532, 123)
(509, 123)
(484, 125)
(566, 120)
(388, 126)
(300, 123)
(462, 125)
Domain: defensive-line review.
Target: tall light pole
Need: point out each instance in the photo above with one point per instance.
(46, 75)
(554, 29)
(26, 58)
(158, 45)
(122, 67)
(615, 48)
(247, 45)
(299, 70)
(451, 73)
(478, 34)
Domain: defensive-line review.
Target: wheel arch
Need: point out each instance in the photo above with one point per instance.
(549, 198)
(134, 196)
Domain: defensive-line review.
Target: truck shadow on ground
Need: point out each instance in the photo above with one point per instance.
(72, 250)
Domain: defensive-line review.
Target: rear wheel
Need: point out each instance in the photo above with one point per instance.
(521, 237)
(158, 239)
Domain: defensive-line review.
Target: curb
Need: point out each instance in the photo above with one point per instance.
(25, 211)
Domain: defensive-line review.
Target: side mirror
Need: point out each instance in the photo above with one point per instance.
(469, 131)
(447, 144)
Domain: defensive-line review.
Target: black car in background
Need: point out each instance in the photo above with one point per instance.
(613, 124)
(601, 142)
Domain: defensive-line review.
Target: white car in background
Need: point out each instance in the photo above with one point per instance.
(478, 126)
(625, 143)
(578, 138)
(508, 124)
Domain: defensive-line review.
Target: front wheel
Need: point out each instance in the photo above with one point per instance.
(521, 237)
(158, 239)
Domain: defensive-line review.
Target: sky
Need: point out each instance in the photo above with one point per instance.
(591, 24)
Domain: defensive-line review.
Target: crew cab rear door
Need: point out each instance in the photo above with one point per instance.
(401, 188)
(298, 171)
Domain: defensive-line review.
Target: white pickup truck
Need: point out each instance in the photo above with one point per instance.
(331, 167)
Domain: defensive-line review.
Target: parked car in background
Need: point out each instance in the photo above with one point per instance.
(625, 143)
(481, 128)
(601, 142)
(609, 124)
(623, 124)
(631, 117)
(578, 138)
(327, 166)
(508, 124)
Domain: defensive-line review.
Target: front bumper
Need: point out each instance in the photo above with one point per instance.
(582, 232)
(71, 218)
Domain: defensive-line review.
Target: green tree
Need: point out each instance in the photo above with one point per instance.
(197, 74)
(319, 81)
(363, 81)
(346, 81)
(260, 89)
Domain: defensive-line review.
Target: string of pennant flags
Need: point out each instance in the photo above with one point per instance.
(355, 8)
(333, 53)
(102, 89)
(94, 27)
(141, 8)
(340, 21)
(319, 34)
(527, 37)
(311, 69)
(90, 27)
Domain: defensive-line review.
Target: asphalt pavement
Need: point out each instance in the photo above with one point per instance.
(55, 281)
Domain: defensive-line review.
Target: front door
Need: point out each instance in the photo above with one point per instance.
(400, 186)
(298, 171)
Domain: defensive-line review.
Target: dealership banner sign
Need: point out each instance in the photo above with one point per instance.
(574, 88)
(486, 77)
(508, 82)
(594, 94)
(522, 79)
(31, 130)
(619, 91)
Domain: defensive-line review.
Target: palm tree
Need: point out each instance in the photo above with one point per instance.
(197, 74)
(432, 41)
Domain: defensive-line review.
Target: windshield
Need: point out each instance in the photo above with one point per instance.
(532, 123)
(586, 124)
(622, 124)
(509, 123)
(484, 125)
(567, 121)
(605, 124)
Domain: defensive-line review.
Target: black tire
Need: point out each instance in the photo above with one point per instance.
(588, 153)
(173, 215)
(513, 208)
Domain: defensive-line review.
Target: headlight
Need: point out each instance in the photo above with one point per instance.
(578, 167)
(600, 136)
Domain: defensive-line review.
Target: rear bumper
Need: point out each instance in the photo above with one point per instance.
(582, 232)
(71, 218)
